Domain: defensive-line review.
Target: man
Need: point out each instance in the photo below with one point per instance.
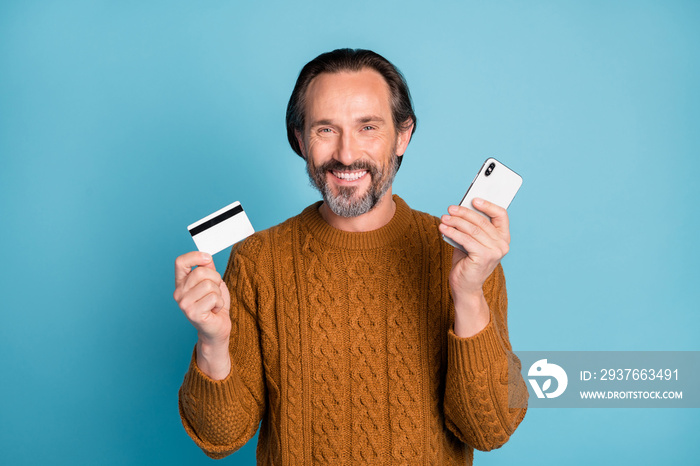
(353, 331)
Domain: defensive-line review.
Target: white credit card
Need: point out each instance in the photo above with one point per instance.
(221, 229)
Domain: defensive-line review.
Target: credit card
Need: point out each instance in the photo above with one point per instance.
(221, 229)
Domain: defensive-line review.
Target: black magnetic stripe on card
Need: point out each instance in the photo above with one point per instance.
(216, 220)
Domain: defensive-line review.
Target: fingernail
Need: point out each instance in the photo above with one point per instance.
(206, 257)
(478, 201)
(452, 209)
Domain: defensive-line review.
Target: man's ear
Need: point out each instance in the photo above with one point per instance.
(404, 137)
(300, 141)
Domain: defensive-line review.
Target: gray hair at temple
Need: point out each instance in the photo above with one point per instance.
(350, 60)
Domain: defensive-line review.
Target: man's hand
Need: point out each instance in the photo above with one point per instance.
(204, 299)
(487, 242)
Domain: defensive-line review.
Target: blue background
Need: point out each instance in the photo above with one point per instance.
(123, 122)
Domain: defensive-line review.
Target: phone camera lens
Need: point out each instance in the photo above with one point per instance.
(490, 168)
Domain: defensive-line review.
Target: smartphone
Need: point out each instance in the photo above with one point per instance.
(495, 183)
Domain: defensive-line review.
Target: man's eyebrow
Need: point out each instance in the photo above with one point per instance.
(370, 119)
(364, 119)
(320, 123)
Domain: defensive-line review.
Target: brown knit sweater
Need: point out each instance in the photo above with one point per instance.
(342, 345)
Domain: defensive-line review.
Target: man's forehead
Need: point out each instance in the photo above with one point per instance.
(366, 86)
(344, 75)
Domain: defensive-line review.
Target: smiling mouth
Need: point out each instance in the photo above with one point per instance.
(349, 175)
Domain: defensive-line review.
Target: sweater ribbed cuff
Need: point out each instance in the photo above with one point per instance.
(476, 353)
(202, 387)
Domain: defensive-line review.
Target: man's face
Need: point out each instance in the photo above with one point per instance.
(350, 142)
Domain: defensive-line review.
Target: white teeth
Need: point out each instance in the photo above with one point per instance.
(350, 176)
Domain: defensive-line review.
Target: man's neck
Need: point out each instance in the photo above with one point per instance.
(380, 215)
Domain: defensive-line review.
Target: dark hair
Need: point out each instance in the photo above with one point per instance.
(349, 60)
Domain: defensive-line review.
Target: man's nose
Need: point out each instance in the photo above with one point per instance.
(348, 150)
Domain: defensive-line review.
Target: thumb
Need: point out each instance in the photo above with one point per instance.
(497, 214)
(210, 265)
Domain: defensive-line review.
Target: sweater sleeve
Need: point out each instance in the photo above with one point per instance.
(221, 416)
(479, 390)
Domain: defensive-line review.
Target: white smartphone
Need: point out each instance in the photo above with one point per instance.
(495, 183)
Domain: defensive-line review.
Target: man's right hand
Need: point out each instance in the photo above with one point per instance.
(204, 299)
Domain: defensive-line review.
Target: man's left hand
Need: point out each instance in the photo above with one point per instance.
(486, 242)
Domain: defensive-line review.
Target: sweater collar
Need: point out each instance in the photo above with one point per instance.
(374, 239)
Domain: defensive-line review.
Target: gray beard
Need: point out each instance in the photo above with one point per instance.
(345, 203)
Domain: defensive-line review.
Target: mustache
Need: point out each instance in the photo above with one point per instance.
(335, 165)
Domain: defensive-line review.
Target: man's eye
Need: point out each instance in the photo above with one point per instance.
(368, 127)
(324, 130)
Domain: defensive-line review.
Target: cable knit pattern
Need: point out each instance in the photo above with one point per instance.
(343, 352)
